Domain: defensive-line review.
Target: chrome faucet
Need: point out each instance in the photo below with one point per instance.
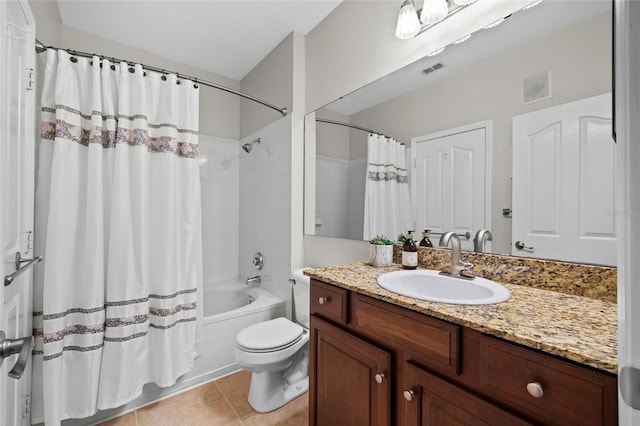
(253, 280)
(478, 241)
(459, 269)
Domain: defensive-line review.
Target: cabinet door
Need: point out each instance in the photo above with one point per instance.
(435, 402)
(344, 389)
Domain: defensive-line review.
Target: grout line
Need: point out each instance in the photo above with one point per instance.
(226, 398)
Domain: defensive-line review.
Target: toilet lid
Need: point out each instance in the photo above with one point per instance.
(269, 334)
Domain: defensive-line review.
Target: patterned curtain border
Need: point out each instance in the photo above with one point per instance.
(153, 318)
(109, 138)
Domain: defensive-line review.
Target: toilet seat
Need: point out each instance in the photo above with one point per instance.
(269, 336)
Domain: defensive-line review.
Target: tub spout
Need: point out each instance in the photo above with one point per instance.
(253, 280)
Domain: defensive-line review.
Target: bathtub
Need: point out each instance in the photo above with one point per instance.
(226, 311)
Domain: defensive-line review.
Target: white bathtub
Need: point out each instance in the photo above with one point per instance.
(226, 311)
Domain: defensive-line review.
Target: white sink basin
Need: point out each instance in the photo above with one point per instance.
(429, 285)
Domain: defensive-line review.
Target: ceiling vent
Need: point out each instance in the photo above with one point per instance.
(536, 88)
(432, 68)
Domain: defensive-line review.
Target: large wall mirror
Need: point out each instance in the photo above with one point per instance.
(536, 65)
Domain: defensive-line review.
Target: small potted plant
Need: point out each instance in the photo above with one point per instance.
(381, 251)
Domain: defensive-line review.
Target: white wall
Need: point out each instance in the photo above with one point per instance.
(355, 208)
(332, 140)
(340, 197)
(270, 80)
(265, 207)
(220, 189)
(332, 196)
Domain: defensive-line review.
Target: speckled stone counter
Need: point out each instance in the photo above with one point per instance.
(577, 328)
(595, 281)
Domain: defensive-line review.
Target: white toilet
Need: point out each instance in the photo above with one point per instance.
(277, 353)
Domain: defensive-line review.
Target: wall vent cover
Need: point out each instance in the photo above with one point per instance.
(432, 68)
(536, 88)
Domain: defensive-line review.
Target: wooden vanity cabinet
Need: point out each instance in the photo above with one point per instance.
(433, 401)
(433, 372)
(350, 379)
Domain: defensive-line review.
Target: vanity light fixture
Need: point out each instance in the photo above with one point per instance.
(496, 23)
(436, 52)
(534, 4)
(462, 39)
(434, 11)
(408, 22)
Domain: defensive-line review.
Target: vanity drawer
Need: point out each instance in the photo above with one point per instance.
(429, 341)
(329, 301)
(570, 395)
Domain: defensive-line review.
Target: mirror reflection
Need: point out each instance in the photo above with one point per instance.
(520, 89)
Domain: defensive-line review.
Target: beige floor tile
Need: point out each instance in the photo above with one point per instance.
(203, 405)
(209, 405)
(124, 420)
(295, 413)
(236, 389)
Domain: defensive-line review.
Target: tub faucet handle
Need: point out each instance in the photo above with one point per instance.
(253, 280)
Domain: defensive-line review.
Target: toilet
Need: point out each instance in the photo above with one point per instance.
(277, 353)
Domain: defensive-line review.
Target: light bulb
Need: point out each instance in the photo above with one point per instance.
(462, 39)
(534, 4)
(434, 11)
(436, 52)
(494, 24)
(408, 22)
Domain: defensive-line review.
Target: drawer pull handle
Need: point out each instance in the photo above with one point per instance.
(535, 389)
(408, 395)
(379, 378)
(323, 300)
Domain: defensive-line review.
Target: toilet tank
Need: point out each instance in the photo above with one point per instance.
(301, 297)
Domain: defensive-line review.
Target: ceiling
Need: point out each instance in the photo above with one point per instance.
(520, 28)
(225, 37)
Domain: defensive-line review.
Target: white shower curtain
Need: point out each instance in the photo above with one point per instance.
(386, 202)
(117, 221)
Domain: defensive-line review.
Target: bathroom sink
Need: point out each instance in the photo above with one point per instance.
(429, 285)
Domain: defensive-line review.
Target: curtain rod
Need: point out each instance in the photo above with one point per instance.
(353, 126)
(41, 48)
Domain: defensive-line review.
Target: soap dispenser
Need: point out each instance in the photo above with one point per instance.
(425, 241)
(409, 252)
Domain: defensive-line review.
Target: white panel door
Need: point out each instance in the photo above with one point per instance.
(564, 183)
(450, 180)
(17, 80)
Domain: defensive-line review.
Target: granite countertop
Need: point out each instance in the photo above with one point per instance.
(577, 328)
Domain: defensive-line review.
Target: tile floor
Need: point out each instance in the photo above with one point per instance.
(219, 403)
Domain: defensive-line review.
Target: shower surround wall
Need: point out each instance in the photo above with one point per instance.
(340, 207)
(265, 208)
(220, 183)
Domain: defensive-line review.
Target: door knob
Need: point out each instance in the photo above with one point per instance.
(323, 300)
(10, 347)
(379, 378)
(520, 246)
